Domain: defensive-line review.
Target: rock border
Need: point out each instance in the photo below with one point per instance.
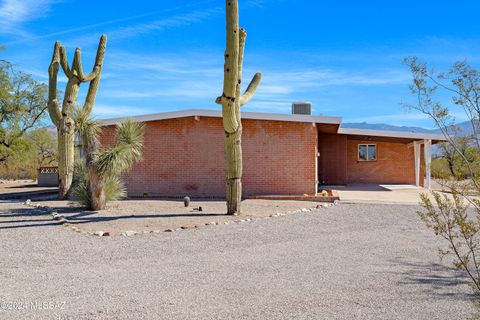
(130, 233)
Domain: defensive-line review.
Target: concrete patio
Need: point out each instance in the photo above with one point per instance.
(376, 193)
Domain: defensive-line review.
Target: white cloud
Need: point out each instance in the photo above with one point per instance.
(162, 24)
(106, 110)
(141, 29)
(15, 12)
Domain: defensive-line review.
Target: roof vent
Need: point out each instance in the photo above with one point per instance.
(303, 107)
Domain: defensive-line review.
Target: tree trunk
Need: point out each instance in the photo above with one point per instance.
(96, 188)
(63, 119)
(231, 101)
(66, 150)
(233, 151)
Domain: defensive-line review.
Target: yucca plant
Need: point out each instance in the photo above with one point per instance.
(97, 179)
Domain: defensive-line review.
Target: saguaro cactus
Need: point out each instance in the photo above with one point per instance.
(231, 101)
(63, 118)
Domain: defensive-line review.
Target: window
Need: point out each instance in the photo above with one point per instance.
(367, 152)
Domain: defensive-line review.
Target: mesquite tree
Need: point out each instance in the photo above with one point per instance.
(231, 101)
(63, 118)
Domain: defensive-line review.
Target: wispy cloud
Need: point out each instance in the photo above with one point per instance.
(15, 12)
(122, 20)
(106, 110)
(162, 24)
(164, 78)
(145, 28)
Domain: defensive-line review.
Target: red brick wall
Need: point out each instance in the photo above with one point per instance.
(333, 159)
(186, 157)
(395, 164)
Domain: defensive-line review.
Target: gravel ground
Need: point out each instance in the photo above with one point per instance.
(351, 261)
(158, 215)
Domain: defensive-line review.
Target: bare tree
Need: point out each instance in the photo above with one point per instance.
(455, 218)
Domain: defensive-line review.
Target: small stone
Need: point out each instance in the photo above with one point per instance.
(168, 230)
(304, 210)
(186, 201)
(129, 233)
(28, 202)
(336, 202)
(248, 219)
(99, 233)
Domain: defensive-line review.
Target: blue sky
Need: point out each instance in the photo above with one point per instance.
(344, 56)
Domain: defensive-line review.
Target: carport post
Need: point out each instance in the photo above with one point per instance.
(427, 152)
(416, 154)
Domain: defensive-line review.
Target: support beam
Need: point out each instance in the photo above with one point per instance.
(417, 155)
(427, 152)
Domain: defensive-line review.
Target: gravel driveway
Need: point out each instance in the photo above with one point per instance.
(352, 261)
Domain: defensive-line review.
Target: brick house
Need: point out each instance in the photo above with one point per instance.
(282, 154)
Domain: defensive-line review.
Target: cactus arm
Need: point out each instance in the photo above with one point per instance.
(251, 89)
(102, 46)
(93, 87)
(53, 108)
(77, 68)
(241, 50)
(54, 111)
(92, 75)
(64, 62)
(249, 93)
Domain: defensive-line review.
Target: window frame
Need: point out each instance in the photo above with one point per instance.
(367, 145)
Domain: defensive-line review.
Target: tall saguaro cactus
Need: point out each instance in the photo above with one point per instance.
(62, 118)
(231, 101)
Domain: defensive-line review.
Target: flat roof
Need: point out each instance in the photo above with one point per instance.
(218, 114)
(279, 117)
(392, 134)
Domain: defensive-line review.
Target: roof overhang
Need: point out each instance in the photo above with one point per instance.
(403, 135)
(218, 114)
(324, 124)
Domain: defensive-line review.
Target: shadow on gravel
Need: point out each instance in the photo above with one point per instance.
(28, 218)
(32, 217)
(89, 217)
(437, 279)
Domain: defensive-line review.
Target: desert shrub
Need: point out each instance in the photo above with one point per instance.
(98, 178)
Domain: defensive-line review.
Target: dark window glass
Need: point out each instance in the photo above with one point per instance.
(367, 152)
(362, 152)
(372, 152)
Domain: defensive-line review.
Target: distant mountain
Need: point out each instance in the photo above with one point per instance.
(384, 127)
(465, 128)
(52, 129)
